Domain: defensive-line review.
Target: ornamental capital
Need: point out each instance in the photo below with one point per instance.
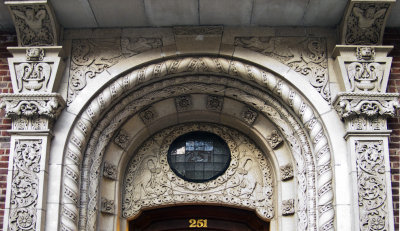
(32, 105)
(369, 105)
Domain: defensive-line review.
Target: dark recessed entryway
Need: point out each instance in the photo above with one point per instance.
(198, 218)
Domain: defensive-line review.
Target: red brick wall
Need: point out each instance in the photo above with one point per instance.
(6, 39)
(392, 37)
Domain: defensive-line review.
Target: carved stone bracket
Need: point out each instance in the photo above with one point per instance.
(364, 22)
(35, 23)
(362, 68)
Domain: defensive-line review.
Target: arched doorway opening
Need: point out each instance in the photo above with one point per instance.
(199, 217)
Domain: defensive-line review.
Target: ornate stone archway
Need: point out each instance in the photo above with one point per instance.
(266, 92)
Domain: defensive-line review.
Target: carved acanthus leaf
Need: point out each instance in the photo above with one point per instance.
(307, 56)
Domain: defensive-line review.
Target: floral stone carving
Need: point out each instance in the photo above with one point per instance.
(249, 115)
(110, 171)
(32, 77)
(34, 22)
(371, 185)
(288, 207)
(91, 57)
(107, 206)
(307, 56)
(287, 172)
(183, 103)
(364, 22)
(246, 183)
(148, 115)
(25, 185)
(122, 139)
(214, 102)
(274, 139)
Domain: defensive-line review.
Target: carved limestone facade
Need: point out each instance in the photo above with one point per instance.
(305, 120)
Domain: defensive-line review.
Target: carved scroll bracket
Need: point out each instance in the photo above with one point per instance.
(35, 23)
(364, 21)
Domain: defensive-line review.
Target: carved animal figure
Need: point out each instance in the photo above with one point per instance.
(367, 17)
(34, 21)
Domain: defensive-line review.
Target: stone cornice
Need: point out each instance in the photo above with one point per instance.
(367, 104)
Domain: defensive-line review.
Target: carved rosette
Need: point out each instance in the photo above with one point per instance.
(307, 56)
(364, 22)
(122, 139)
(214, 102)
(25, 185)
(148, 115)
(35, 23)
(183, 103)
(246, 183)
(110, 171)
(371, 185)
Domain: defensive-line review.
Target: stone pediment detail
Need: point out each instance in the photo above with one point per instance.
(90, 57)
(35, 23)
(364, 22)
(307, 56)
(246, 183)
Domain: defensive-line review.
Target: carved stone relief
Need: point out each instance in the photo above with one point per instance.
(148, 115)
(365, 53)
(122, 139)
(183, 103)
(307, 56)
(274, 139)
(248, 115)
(353, 104)
(32, 77)
(110, 171)
(91, 57)
(107, 206)
(34, 54)
(214, 102)
(288, 207)
(25, 185)
(371, 185)
(34, 24)
(287, 172)
(316, 156)
(246, 183)
(365, 76)
(364, 24)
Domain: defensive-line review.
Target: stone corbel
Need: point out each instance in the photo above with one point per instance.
(364, 21)
(35, 23)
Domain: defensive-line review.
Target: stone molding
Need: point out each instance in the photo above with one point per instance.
(35, 23)
(364, 22)
(190, 66)
(362, 68)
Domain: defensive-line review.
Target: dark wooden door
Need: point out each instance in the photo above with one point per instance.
(198, 218)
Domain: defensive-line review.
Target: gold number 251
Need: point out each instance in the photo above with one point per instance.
(198, 223)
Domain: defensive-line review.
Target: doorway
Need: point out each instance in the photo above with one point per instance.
(198, 218)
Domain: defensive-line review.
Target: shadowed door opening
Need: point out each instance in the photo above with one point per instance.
(198, 218)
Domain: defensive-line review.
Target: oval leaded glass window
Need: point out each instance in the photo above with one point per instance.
(199, 156)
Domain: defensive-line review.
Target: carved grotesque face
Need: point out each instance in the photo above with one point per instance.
(34, 52)
(370, 13)
(366, 53)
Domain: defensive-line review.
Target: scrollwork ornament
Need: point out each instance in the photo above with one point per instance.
(371, 185)
(25, 185)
